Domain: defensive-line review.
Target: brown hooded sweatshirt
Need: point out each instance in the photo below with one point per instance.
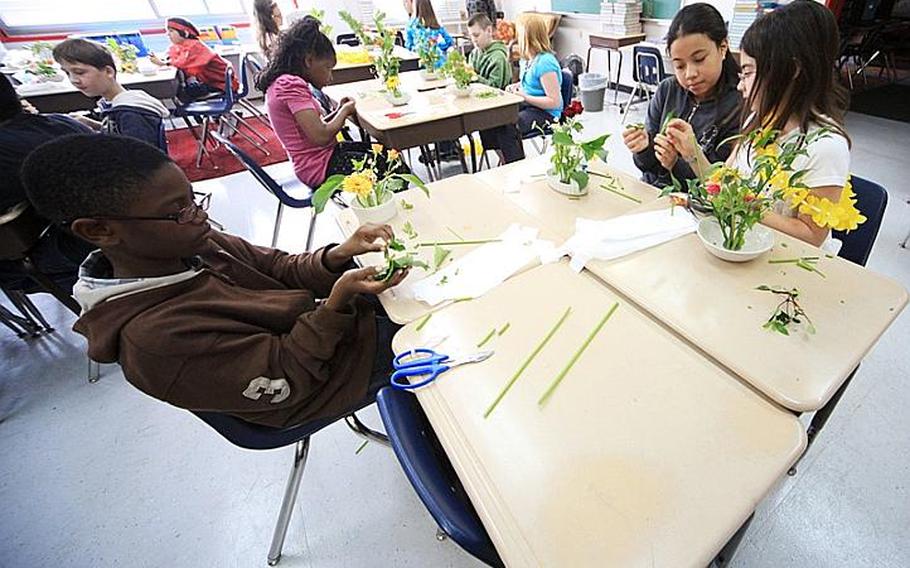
(241, 333)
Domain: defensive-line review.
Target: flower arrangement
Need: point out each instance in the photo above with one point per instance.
(570, 157)
(370, 185)
(356, 27)
(739, 201)
(42, 63)
(458, 69)
(427, 52)
(124, 54)
(320, 15)
(385, 63)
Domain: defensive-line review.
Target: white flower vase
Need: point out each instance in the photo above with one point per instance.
(400, 100)
(461, 92)
(571, 189)
(759, 240)
(428, 75)
(379, 214)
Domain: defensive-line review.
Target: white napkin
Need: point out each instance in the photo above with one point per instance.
(482, 269)
(606, 240)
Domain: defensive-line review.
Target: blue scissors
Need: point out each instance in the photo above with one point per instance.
(427, 365)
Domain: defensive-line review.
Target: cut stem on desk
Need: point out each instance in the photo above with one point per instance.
(621, 194)
(423, 322)
(454, 243)
(527, 362)
(562, 374)
(486, 339)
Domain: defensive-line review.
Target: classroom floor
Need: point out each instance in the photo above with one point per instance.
(97, 475)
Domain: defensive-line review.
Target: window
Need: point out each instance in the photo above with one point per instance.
(29, 16)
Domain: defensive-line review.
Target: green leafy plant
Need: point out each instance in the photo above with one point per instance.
(362, 35)
(124, 54)
(398, 257)
(487, 94)
(320, 15)
(666, 122)
(427, 51)
(570, 157)
(458, 69)
(370, 185)
(42, 50)
(787, 313)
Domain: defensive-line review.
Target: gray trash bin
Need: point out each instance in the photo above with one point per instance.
(592, 87)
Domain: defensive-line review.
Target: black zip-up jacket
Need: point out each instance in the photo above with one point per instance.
(713, 121)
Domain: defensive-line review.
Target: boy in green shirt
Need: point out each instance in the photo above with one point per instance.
(490, 60)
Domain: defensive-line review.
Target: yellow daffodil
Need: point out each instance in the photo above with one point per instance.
(377, 148)
(392, 83)
(840, 216)
(393, 154)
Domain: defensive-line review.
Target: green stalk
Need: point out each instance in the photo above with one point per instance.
(457, 236)
(362, 446)
(504, 328)
(562, 374)
(452, 243)
(424, 321)
(527, 362)
(621, 194)
(487, 338)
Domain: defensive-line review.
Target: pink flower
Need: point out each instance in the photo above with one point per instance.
(749, 197)
(712, 188)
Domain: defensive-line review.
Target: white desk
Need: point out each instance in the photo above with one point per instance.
(62, 96)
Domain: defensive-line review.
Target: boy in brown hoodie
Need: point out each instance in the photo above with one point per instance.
(205, 320)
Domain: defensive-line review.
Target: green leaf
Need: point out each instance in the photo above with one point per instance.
(322, 195)
(562, 139)
(416, 181)
(409, 231)
(581, 178)
(439, 256)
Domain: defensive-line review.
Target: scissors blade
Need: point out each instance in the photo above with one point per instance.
(472, 358)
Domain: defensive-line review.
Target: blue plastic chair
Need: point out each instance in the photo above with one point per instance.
(278, 190)
(871, 200)
(566, 90)
(647, 72)
(215, 110)
(430, 473)
(256, 437)
(249, 66)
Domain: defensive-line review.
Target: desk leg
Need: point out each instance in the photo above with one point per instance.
(618, 75)
(473, 154)
(609, 69)
(588, 60)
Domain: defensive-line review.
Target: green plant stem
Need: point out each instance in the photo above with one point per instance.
(423, 322)
(362, 446)
(504, 329)
(562, 374)
(452, 243)
(527, 361)
(457, 236)
(487, 338)
(621, 193)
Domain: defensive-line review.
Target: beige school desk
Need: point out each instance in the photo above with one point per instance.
(714, 305)
(646, 455)
(62, 96)
(459, 205)
(430, 116)
(351, 72)
(556, 211)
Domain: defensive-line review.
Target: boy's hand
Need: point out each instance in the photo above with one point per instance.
(370, 237)
(635, 139)
(360, 281)
(681, 135)
(665, 152)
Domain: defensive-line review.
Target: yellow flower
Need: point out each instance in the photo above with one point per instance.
(377, 148)
(392, 83)
(358, 183)
(840, 216)
(393, 154)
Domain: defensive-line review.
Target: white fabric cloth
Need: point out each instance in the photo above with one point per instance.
(606, 240)
(482, 269)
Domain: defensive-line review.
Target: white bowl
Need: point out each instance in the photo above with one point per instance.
(379, 214)
(759, 240)
(398, 101)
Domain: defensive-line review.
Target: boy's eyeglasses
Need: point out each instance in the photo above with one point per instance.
(183, 217)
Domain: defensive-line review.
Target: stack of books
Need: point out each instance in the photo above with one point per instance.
(744, 13)
(621, 17)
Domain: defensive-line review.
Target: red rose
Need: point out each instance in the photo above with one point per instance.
(712, 188)
(749, 197)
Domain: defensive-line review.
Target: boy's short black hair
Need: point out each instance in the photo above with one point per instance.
(88, 175)
(481, 20)
(10, 105)
(77, 50)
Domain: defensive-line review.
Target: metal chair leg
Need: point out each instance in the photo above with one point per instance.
(202, 141)
(243, 122)
(278, 217)
(32, 311)
(726, 553)
(94, 371)
(245, 136)
(20, 326)
(364, 431)
(821, 418)
(311, 230)
(255, 112)
(290, 497)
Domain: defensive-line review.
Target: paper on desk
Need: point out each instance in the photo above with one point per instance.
(606, 240)
(482, 269)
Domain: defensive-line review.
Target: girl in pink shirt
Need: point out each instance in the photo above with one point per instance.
(306, 123)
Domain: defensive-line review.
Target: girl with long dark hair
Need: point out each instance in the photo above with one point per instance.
(268, 24)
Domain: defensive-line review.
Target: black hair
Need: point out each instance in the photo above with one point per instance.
(795, 48)
(192, 34)
(77, 50)
(702, 18)
(480, 19)
(10, 105)
(303, 39)
(86, 175)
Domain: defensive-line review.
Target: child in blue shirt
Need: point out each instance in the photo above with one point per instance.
(423, 26)
(541, 76)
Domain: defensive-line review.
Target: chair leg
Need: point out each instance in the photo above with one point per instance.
(255, 112)
(820, 419)
(20, 326)
(50, 287)
(94, 371)
(311, 230)
(32, 311)
(726, 553)
(246, 137)
(364, 431)
(243, 122)
(290, 497)
(278, 217)
(202, 141)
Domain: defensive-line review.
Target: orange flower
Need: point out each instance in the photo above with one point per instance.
(393, 154)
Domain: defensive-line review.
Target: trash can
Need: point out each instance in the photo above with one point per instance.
(592, 87)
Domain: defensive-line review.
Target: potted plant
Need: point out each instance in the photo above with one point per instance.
(461, 73)
(428, 54)
(124, 55)
(372, 190)
(393, 92)
(320, 15)
(568, 173)
(739, 201)
(356, 27)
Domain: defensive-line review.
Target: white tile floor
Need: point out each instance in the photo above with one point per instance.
(100, 475)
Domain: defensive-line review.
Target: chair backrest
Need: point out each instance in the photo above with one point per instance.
(431, 474)
(347, 39)
(648, 65)
(260, 174)
(20, 229)
(567, 87)
(871, 200)
(255, 436)
(229, 95)
(244, 76)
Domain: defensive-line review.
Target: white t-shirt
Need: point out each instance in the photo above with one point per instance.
(827, 163)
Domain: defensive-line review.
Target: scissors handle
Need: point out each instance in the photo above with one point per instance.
(417, 358)
(426, 373)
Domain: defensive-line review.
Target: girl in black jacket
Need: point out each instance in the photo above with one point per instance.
(701, 95)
